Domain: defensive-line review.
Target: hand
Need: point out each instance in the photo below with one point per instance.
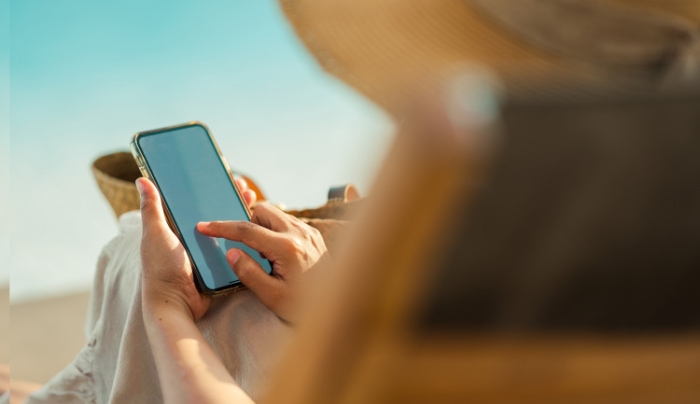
(167, 273)
(290, 245)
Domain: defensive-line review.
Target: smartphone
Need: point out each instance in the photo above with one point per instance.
(196, 185)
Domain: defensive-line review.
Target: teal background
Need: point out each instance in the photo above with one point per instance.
(4, 139)
(85, 75)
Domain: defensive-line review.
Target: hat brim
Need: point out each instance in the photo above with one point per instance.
(388, 50)
(391, 50)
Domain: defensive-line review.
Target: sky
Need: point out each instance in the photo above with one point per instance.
(86, 75)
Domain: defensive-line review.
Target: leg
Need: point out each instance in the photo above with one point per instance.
(116, 365)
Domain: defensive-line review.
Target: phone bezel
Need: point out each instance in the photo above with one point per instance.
(145, 169)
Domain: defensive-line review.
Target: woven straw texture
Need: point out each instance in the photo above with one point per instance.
(391, 50)
(115, 175)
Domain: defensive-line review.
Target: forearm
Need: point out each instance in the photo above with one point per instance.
(188, 369)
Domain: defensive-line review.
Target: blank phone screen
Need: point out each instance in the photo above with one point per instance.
(196, 187)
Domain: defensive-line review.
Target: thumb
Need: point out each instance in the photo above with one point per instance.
(252, 275)
(152, 215)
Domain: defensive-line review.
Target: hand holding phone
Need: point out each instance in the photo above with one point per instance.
(167, 270)
(196, 186)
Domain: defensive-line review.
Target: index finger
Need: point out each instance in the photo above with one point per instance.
(253, 235)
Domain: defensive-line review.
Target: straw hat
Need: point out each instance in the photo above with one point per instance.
(389, 49)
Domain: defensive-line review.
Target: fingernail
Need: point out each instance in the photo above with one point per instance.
(139, 187)
(233, 255)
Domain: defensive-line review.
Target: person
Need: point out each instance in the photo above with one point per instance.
(150, 339)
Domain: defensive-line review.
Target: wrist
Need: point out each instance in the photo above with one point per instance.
(158, 300)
